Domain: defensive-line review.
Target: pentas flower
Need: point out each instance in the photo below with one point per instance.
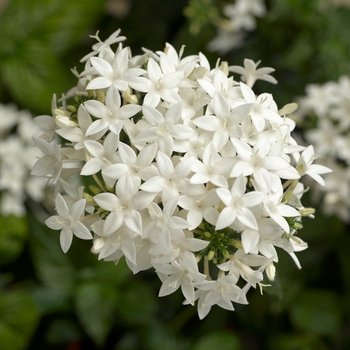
(110, 114)
(115, 73)
(240, 17)
(327, 106)
(190, 172)
(17, 157)
(68, 221)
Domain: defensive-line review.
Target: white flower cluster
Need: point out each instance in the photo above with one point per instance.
(186, 171)
(326, 108)
(240, 18)
(17, 157)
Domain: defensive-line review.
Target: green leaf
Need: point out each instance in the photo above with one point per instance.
(53, 267)
(106, 272)
(18, 319)
(297, 342)
(56, 23)
(33, 75)
(201, 13)
(159, 337)
(129, 341)
(63, 331)
(95, 305)
(48, 302)
(35, 34)
(316, 311)
(222, 340)
(139, 303)
(13, 235)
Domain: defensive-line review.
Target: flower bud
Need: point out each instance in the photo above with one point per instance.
(307, 211)
(101, 97)
(64, 122)
(288, 108)
(236, 243)
(94, 189)
(271, 271)
(224, 67)
(211, 254)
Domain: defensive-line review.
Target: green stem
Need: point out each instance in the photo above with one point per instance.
(206, 267)
(99, 183)
(89, 217)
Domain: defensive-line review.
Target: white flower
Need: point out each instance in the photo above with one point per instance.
(116, 73)
(78, 134)
(262, 110)
(221, 292)
(8, 118)
(164, 129)
(159, 230)
(135, 165)
(222, 84)
(239, 265)
(175, 277)
(100, 156)
(306, 166)
(237, 203)
(124, 206)
(159, 85)
(257, 159)
(319, 99)
(68, 221)
(103, 45)
(250, 73)
(225, 123)
(242, 11)
(123, 239)
(110, 115)
(212, 168)
(50, 165)
(171, 180)
(277, 209)
(200, 207)
(241, 16)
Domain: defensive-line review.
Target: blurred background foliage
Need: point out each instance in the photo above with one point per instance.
(51, 300)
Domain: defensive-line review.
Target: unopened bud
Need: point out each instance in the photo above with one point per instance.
(71, 108)
(101, 97)
(198, 73)
(64, 122)
(236, 243)
(224, 67)
(97, 245)
(89, 199)
(271, 271)
(211, 254)
(301, 168)
(198, 258)
(288, 108)
(91, 93)
(128, 97)
(225, 253)
(297, 225)
(207, 234)
(94, 189)
(307, 211)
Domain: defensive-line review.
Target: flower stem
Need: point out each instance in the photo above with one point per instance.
(206, 267)
(90, 216)
(99, 183)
